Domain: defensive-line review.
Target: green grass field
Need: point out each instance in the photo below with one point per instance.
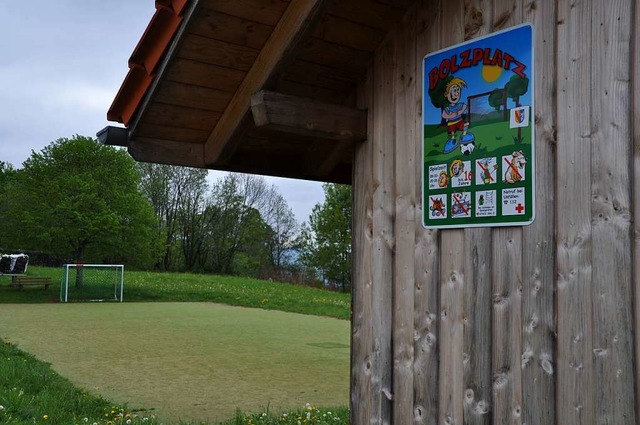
(188, 361)
(230, 290)
(183, 357)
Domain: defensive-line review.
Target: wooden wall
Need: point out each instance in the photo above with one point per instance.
(523, 325)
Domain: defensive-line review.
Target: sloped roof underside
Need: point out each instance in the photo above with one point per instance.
(198, 58)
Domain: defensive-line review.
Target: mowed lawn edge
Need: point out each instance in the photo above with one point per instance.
(142, 286)
(154, 355)
(31, 392)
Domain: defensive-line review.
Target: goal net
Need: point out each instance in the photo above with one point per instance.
(92, 282)
(485, 108)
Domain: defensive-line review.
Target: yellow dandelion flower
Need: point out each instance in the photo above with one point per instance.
(45, 417)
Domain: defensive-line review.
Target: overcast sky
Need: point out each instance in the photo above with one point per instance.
(62, 64)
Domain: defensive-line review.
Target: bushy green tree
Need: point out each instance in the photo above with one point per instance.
(326, 240)
(496, 99)
(7, 174)
(235, 234)
(80, 200)
(516, 87)
(177, 195)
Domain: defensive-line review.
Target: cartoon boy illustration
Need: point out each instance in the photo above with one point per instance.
(453, 112)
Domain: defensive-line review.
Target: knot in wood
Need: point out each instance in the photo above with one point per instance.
(600, 352)
(500, 380)
(482, 408)
(417, 413)
(469, 395)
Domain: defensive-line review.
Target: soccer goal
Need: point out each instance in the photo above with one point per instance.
(488, 107)
(92, 282)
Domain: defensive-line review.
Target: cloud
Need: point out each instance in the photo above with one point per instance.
(63, 63)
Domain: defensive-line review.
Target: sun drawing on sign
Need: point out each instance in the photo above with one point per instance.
(491, 73)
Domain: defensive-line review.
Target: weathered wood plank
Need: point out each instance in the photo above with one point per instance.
(507, 287)
(319, 75)
(215, 52)
(348, 33)
(321, 52)
(383, 232)
(452, 327)
(635, 83)
(477, 329)
(169, 132)
(452, 272)
(220, 26)
(405, 91)
(308, 117)
(367, 12)
(611, 211)
(265, 12)
(426, 256)
(361, 266)
(205, 75)
(538, 314)
(478, 304)
(166, 152)
(296, 19)
(191, 96)
(507, 326)
(180, 116)
(322, 94)
(575, 387)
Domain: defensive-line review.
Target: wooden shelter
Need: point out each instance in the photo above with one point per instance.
(517, 325)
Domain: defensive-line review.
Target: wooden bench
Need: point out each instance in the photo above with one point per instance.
(21, 281)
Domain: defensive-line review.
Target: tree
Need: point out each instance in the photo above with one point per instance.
(283, 229)
(80, 199)
(516, 87)
(231, 219)
(327, 238)
(496, 99)
(7, 175)
(177, 195)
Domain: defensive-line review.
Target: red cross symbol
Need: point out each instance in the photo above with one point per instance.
(520, 208)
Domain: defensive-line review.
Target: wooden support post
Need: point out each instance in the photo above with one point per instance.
(295, 20)
(361, 266)
(575, 387)
(610, 207)
(478, 388)
(405, 179)
(538, 272)
(452, 272)
(427, 250)
(507, 286)
(308, 117)
(635, 85)
(383, 134)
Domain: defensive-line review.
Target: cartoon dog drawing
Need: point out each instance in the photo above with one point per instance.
(515, 169)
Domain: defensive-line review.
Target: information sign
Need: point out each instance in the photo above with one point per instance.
(478, 140)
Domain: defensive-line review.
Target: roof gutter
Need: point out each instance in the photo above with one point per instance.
(113, 136)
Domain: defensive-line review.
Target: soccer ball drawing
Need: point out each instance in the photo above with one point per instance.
(467, 143)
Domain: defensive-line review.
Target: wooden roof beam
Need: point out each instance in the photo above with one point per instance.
(286, 35)
(308, 117)
(166, 152)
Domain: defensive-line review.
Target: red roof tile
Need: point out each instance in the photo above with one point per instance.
(145, 58)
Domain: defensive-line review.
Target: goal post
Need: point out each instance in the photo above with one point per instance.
(487, 107)
(92, 282)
